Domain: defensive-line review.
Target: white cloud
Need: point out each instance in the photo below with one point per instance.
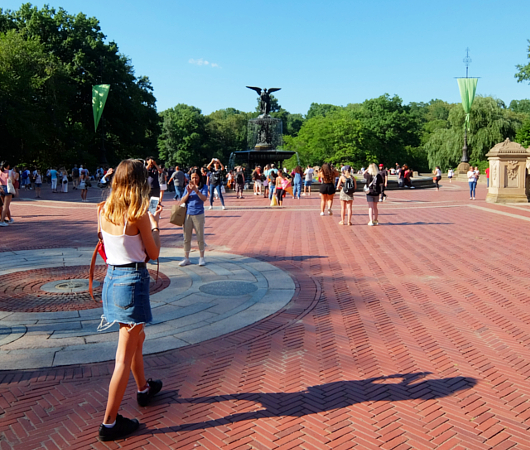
(203, 62)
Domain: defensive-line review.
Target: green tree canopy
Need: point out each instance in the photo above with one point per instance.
(77, 58)
(490, 124)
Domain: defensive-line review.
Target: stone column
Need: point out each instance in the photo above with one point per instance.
(508, 173)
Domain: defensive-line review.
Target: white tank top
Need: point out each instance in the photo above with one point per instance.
(123, 249)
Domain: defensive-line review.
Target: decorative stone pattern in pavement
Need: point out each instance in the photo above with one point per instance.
(410, 335)
(32, 290)
(229, 293)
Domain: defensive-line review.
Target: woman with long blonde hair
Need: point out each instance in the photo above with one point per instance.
(374, 180)
(131, 237)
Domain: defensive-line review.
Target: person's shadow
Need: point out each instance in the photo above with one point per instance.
(326, 397)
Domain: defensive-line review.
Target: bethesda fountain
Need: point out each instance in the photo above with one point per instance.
(264, 136)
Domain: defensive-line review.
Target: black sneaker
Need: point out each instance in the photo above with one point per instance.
(123, 427)
(155, 386)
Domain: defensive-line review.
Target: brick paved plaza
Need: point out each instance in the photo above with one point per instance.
(411, 335)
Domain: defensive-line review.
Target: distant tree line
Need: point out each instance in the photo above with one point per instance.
(49, 61)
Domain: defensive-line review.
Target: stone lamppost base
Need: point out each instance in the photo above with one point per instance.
(463, 168)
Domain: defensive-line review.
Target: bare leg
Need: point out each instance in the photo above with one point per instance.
(370, 212)
(376, 212)
(349, 211)
(342, 210)
(6, 211)
(137, 365)
(322, 203)
(127, 346)
(330, 201)
(161, 196)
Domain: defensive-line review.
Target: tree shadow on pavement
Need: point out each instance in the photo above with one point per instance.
(326, 397)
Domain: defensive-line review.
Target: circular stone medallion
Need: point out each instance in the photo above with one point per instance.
(228, 288)
(64, 286)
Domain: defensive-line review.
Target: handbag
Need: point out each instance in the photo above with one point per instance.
(178, 215)
(10, 187)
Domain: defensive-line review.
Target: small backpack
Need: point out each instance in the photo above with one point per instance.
(374, 186)
(273, 175)
(349, 186)
(240, 179)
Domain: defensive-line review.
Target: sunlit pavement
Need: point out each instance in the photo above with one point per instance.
(411, 334)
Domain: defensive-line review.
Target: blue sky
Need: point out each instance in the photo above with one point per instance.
(331, 51)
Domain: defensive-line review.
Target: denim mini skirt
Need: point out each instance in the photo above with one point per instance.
(125, 297)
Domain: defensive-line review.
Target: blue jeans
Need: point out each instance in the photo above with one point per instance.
(179, 192)
(487, 182)
(472, 188)
(272, 188)
(297, 189)
(218, 188)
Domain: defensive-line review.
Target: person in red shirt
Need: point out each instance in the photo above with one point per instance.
(488, 177)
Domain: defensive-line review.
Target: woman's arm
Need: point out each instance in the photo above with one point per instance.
(150, 236)
(339, 184)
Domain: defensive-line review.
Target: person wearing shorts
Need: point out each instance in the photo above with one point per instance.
(308, 180)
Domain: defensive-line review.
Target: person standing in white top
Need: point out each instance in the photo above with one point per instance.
(472, 180)
(131, 237)
(309, 172)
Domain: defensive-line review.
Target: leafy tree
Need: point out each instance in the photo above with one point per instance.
(227, 130)
(392, 125)
(184, 138)
(130, 122)
(337, 137)
(490, 124)
(321, 109)
(523, 134)
(520, 106)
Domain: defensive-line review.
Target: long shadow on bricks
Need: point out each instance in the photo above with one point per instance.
(326, 397)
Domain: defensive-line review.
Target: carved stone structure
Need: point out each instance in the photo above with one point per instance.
(508, 173)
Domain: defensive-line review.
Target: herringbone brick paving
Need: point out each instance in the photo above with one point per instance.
(410, 335)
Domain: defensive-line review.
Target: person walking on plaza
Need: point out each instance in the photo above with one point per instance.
(450, 174)
(437, 177)
(6, 192)
(487, 177)
(194, 198)
(273, 174)
(131, 236)
(64, 181)
(256, 178)
(309, 172)
(53, 178)
(153, 172)
(240, 182)
(75, 177)
(162, 181)
(83, 186)
(179, 181)
(347, 186)
(216, 180)
(38, 183)
(281, 184)
(373, 183)
(297, 175)
(384, 174)
(327, 189)
(472, 180)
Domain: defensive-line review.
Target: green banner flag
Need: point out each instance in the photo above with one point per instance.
(468, 87)
(99, 97)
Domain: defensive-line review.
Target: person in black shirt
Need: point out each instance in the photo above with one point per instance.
(384, 173)
(216, 180)
(152, 176)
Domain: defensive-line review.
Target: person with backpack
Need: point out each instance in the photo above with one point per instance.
(347, 185)
(372, 188)
(240, 181)
(216, 180)
(297, 175)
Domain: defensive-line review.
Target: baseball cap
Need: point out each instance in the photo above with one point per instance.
(381, 165)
